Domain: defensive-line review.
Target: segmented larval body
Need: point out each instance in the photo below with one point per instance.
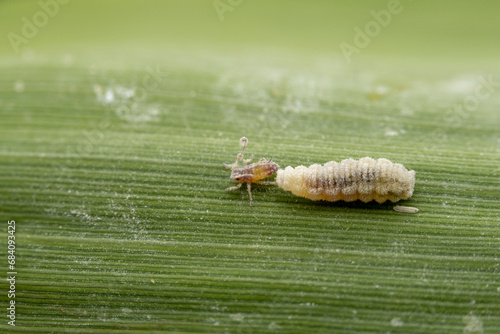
(366, 179)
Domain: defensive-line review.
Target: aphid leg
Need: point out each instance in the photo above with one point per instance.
(235, 187)
(249, 188)
(235, 165)
(245, 161)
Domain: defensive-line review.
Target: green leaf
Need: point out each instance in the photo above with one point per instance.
(114, 178)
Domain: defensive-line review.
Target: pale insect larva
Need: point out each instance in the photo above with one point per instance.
(350, 180)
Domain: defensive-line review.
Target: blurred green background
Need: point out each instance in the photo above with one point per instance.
(448, 31)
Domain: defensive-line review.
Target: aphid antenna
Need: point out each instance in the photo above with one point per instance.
(243, 144)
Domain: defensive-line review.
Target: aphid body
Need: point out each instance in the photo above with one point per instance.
(350, 180)
(253, 173)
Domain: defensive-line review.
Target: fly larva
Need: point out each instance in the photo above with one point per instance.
(350, 180)
(253, 173)
(405, 209)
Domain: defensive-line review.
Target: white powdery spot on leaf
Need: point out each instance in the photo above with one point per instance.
(104, 96)
(382, 90)
(128, 106)
(124, 93)
(473, 324)
(391, 133)
(397, 322)
(83, 216)
(273, 326)
(139, 114)
(460, 85)
(407, 111)
(114, 94)
(109, 96)
(237, 317)
(19, 86)
(67, 60)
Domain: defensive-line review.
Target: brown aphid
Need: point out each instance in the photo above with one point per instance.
(253, 173)
(350, 180)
